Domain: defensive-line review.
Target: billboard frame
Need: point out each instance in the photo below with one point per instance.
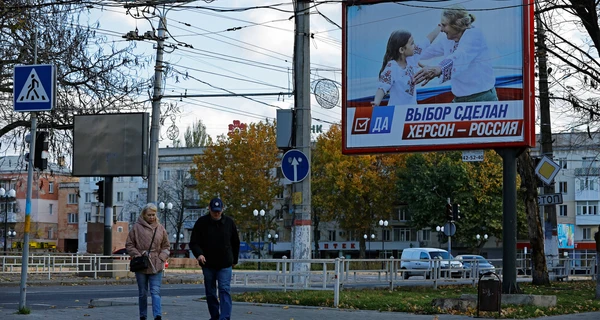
(528, 94)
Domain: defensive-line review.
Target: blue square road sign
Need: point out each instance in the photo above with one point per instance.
(34, 87)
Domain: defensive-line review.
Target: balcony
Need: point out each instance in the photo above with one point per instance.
(587, 220)
(587, 171)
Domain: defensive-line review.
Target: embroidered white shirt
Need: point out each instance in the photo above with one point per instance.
(398, 81)
(467, 64)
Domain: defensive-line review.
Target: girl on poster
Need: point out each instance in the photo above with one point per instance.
(399, 65)
(467, 59)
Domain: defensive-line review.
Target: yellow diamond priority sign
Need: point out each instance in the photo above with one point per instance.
(547, 169)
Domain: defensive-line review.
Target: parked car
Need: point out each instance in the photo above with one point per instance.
(471, 261)
(419, 261)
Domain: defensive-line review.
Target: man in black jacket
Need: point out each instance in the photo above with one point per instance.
(216, 245)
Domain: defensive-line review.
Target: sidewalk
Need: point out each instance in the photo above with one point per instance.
(183, 308)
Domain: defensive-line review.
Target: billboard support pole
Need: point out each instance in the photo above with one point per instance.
(302, 205)
(108, 215)
(509, 220)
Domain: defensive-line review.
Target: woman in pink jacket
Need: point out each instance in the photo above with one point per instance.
(148, 233)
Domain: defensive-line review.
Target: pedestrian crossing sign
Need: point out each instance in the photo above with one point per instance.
(34, 87)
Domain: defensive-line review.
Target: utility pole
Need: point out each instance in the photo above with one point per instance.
(550, 244)
(301, 191)
(155, 125)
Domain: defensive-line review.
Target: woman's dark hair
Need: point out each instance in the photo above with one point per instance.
(397, 40)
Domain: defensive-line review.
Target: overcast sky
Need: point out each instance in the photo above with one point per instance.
(255, 56)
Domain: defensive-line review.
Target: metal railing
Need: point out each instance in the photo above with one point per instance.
(284, 274)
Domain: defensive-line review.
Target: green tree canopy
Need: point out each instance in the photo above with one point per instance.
(241, 168)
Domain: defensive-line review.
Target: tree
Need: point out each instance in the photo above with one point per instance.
(353, 191)
(196, 136)
(177, 191)
(93, 75)
(241, 168)
(429, 179)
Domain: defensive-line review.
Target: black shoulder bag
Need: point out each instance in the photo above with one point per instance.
(142, 262)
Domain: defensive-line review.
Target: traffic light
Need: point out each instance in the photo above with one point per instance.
(449, 215)
(100, 185)
(456, 212)
(40, 159)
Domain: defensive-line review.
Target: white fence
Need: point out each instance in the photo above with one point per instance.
(292, 274)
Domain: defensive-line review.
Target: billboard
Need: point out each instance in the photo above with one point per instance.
(437, 75)
(566, 236)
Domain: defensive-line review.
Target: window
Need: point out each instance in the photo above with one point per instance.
(50, 233)
(72, 198)
(403, 214)
(587, 208)
(73, 218)
(386, 235)
(562, 187)
(562, 163)
(562, 209)
(587, 184)
(89, 197)
(401, 234)
(50, 209)
(132, 216)
(166, 175)
(119, 229)
(426, 235)
(120, 179)
(180, 175)
(119, 196)
(331, 236)
(50, 187)
(88, 216)
(132, 195)
(587, 233)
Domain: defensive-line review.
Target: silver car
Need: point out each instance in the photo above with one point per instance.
(472, 261)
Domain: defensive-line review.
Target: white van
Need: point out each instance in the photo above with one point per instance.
(419, 261)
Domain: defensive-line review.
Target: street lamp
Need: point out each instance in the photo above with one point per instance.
(440, 230)
(161, 206)
(258, 215)
(273, 238)
(383, 224)
(11, 194)
(11, 235)
(480, 241)
(367, 237)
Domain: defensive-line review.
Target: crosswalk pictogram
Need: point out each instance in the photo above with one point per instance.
(33, 90)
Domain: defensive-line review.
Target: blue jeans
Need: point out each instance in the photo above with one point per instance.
(223, 277)
(154, 281)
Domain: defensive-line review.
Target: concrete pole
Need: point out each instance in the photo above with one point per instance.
(302, 209)
(108, 215)
(155, 125)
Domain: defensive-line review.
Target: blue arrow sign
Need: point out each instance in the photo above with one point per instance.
(295, 165)
(34, 87)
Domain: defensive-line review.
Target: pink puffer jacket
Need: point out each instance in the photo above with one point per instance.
(139, 239)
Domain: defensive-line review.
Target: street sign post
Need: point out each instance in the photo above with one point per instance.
(295, 165)
(34, 87)
(550, 199)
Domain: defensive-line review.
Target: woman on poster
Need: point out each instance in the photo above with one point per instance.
(467, 61)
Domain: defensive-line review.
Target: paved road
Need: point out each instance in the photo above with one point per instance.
(183, 308)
